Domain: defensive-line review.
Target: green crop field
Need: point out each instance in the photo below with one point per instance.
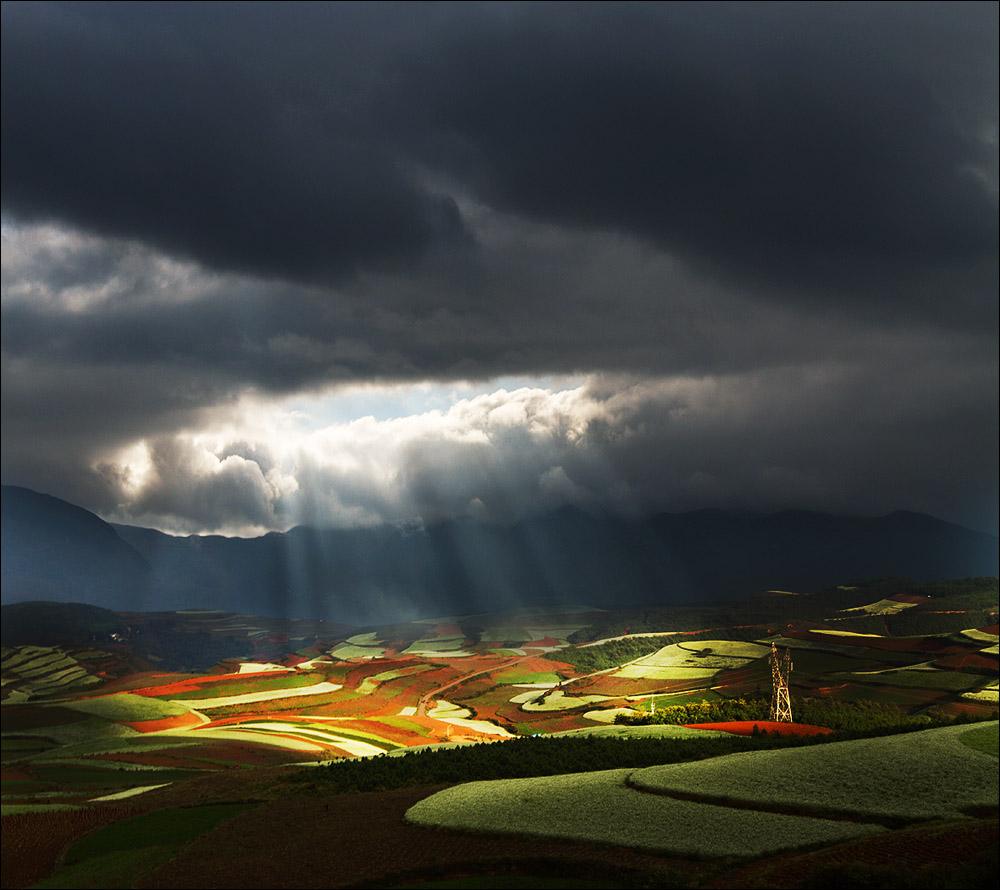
(260, 682)
(985, 739)
(919, 775)
(128, 708)
(921, 678)
(599, 807)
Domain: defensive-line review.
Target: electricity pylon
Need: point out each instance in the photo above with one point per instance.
(781, 702)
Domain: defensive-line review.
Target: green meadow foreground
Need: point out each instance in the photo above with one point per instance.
(207, 749)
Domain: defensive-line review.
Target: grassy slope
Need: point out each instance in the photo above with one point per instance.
(920, 775)
(599, 807)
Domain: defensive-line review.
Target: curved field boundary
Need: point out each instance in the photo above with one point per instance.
(599, 807)
(812, 811)
(914, 776)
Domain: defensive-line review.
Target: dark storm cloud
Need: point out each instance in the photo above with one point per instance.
(800, 144)
(768, 232)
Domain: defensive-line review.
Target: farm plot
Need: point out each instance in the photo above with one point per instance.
(883, 607)
(599, 807)
(989, 694)
(34, 671)
(328, 735)
(370, 684)
(556, 700)
(117, 855)
(364, 645)
(919, 677)
(458, 716)
(692, 661)
(444, 647)
(981, 636)
(919, 775)
(125, 707)
(222, 701)
(240, 684)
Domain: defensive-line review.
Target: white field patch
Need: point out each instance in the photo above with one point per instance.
(989, 694)
(128, 792)
(230, 734)
(313, 663)
(408, 711)
(607, 715)
(206, 704)
(351, 746)
(446, 712)
(980, 635)
(843, 633)
(557, 700)
(691, 661)
(260, 667)
(438, 647)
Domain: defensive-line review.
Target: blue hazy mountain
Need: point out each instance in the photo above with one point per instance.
(53, 550)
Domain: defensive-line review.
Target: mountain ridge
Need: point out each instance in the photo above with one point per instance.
(55, 550)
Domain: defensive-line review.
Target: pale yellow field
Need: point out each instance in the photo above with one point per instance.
(206, 704)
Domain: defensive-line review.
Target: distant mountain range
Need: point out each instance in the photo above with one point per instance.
(53, 550)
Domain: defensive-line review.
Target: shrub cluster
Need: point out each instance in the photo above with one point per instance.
(843, 716)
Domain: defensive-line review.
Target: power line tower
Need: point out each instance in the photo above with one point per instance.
(781, 702)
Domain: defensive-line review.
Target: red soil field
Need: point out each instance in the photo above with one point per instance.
(33, 842)
(745, 727)
(544, 642)
(972, 661)
(178, 722)
(991, 629)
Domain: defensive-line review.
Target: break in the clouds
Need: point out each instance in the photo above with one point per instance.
(736, 255)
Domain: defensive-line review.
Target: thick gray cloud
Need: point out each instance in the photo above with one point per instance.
(789, 210)
(301, 140)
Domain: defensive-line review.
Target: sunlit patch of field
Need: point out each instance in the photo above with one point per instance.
(692, 661)
(207, 704)
(364, 645)
(845, 633)
(607, 715)
(370, 684)
(989, 694)
(128, 792)
(447, 647)
(919, 775)
(462, 717)
(599, 807)
(257, 667)
(981, 636)
(556, 700)
(883, 607)
(330, 737)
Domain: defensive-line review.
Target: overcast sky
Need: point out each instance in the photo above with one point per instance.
(349, 264)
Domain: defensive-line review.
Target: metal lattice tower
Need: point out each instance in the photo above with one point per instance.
(781, 702)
